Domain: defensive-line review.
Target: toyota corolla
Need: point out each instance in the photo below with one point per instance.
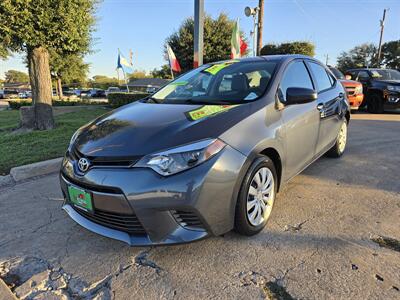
(205, 154)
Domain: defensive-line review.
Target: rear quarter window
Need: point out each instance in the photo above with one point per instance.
(324, 82)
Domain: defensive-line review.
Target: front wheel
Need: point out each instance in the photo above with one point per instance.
(341, 141)
(375, 104)
(256, 197)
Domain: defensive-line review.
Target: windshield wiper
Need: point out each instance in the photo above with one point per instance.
(155, 100)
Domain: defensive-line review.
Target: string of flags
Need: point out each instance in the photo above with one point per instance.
(238, 49)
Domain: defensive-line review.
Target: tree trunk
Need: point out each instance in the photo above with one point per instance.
(59, 88)
(39, 75)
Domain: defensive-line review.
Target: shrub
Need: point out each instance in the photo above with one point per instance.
(18, 103)
(119, 99)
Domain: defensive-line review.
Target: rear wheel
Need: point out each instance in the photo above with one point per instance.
(341, 141)
(375, 104)
(256, 197)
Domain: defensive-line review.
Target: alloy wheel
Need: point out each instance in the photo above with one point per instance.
(342, 138)
(260, 197)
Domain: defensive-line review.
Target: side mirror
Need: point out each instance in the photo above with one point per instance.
(300, 96)
(348, 77)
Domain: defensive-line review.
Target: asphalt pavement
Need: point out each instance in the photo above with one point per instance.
(327, 239)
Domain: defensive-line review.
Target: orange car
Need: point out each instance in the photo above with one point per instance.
(353, 88)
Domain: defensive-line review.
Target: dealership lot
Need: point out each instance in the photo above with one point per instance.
(318, 244)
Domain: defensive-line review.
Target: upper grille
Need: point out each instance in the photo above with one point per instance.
(126, 223)
(188, 219)
(100, 161)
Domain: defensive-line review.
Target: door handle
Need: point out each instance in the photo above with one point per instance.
(320, 106)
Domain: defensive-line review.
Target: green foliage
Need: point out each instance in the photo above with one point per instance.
(63, 25)
(359, 57)
(119, 99)
(69, 67)
(17, 104)
(42, 145)
(296, 47)
(217, 40)
(391, 54)
(164, 72)
(137, 74)
(14, 76)
(103, 82)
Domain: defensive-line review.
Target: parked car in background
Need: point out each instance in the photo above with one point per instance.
(84, 93)
(97, 93)
(151, 90)
(9, 94)
(206, 153)
(354, 89)
(381, 88)
(112, 89)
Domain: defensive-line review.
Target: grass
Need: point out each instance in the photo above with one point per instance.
(18, 149)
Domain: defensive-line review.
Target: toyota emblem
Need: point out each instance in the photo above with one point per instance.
(83, 164)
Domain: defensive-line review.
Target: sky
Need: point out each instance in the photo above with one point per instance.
(143, 25)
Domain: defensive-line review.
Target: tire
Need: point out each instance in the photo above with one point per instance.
(375, 104)
(251, 194)
(341, 141)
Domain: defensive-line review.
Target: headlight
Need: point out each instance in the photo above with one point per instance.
(358, 90)
(393, 88)
(181, 158)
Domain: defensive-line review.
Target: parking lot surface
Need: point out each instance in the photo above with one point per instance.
(322, 241)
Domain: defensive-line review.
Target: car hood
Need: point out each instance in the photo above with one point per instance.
(143, 128)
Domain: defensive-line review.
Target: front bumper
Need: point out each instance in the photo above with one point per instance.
(140, 207)
(392, 100)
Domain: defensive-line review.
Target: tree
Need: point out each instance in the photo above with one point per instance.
(137, 74)
(391, 54)
(361, 56)
(14, 76)
(103, 82)
(164, 72)
(296, 47)
(68, 68)
(217, 40)
(35, 27)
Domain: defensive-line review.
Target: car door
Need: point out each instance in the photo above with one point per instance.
(301, 121)
(365, 79)
(328, 104)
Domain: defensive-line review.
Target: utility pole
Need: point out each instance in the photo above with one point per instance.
(198, 32)
(381, 37)
(327, 59)
(260, 26)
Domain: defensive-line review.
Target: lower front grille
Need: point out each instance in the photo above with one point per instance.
(188, 219)
(127, 223)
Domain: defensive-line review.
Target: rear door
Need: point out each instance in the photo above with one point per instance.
(330, 94)
(301, 121)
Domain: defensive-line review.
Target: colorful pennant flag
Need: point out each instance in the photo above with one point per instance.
(238, 45)
(173, 62)
(123, 64)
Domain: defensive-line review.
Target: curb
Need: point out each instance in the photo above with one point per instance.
(22, 173)
(5, 292)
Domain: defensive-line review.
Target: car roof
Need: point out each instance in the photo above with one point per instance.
(367, 69)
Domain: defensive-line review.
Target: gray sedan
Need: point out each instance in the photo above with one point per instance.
(205, 154)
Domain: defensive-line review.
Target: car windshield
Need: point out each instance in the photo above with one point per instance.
(385, 74)
(221, 83)
(337, 73)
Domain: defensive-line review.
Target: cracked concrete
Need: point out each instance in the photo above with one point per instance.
(331, 211)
